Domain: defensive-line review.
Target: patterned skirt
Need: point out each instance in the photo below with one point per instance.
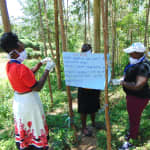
(31, 130)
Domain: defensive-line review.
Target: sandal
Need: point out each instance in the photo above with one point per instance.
(86, 132)
(126, 146)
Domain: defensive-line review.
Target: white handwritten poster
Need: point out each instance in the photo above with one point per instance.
(85, 70)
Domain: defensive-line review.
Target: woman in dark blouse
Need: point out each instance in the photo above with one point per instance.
(88, 101)
(135, 85)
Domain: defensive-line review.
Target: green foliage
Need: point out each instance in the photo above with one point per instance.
(31, 44)
(119, 67)
(78, 8)
(61, 138)
(33, 54)
(8, 144)
(27, 42)
(6, 95)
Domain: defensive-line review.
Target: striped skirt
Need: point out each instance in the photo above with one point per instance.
(31, 130)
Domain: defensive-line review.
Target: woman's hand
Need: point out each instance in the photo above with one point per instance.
(121, 83)
(49, 66)
(45, 60)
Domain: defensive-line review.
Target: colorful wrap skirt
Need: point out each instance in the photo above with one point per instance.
(31, 130)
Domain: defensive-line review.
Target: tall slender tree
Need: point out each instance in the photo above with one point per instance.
(85, 23)
(106, 15)
(89, 25)
(67, 19)
(96, 10)
(63, 37)
(106, 73)
(113, 23)
(146, 25)
(57, 44)
(48, 30)
(45, 47)
(5, 16)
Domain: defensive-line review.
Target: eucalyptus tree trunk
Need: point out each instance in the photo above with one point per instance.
(63, 36)
(104, 18)
(89, 28)
(85, 30)
(5, 16)
(67, 19)
(131, 36)
(96, 11)
(139, 20)
(45, 47)
(42, 28)
(113, 22)
(146, 25)
(106, 14)
(57, 44)
(48, 30)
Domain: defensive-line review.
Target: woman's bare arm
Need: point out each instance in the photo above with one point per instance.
(39, 84)
(36, 68)
(140, 82)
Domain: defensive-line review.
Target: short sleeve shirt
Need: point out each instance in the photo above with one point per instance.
(20, 77)
(140, 69)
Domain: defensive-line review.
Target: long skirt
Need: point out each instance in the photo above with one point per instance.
(31, 130)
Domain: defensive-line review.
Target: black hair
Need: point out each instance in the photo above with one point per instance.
(86, 47)
(9, 41)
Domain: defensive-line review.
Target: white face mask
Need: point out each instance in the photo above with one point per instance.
(133, 60)
(89, 51)
(22, 55)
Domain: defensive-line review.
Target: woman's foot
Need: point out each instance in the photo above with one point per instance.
(127, 136)
(86, 132)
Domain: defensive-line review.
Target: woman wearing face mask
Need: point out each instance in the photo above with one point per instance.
(31, 130)
(135, 85)
(88, 101)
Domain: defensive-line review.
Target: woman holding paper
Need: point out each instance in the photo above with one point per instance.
(88, 101)
(31, 130)
(135, 85)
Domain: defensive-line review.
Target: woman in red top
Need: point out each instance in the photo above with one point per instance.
(31, 130)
